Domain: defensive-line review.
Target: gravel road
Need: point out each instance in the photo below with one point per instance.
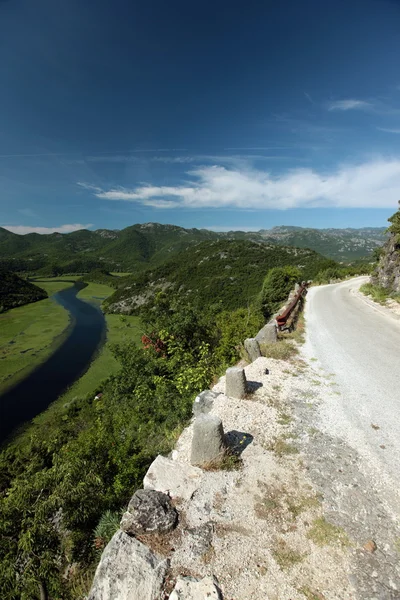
(359, 344)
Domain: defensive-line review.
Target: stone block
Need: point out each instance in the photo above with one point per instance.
(252, 348)
(128, 570)
(208, 439)
(235, 382)
(268, 334)
(179, 480)
(189, 588)
(149, 511)
(203, 403)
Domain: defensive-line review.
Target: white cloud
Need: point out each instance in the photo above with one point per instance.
(373, 184)
(23, 229)
(349, 104)
(388, 130)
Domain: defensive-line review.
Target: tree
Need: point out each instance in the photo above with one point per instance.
(276, 287)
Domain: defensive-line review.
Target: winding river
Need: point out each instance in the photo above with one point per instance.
(85, 334)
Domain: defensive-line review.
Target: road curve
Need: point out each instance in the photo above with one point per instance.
(360, 347)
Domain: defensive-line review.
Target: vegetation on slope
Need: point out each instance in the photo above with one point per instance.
(151, 244)
(387, 272)
(224, 274)
(15, 291)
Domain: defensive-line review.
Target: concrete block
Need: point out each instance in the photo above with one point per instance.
(179, 480)
(252, 348)
(235, 383)
(208, 439)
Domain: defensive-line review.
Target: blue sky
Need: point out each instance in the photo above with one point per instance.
(216, 114)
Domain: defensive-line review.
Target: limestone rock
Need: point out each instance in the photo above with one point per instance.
(179, 480)
(189, 588)
(128, 570)
(208, 439)
(203, 403)
(149, 510)
(235, 383)
(252, 348)
(268, 334)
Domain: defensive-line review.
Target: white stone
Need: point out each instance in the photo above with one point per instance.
(128, 570)
(189, 588)
(179, 480)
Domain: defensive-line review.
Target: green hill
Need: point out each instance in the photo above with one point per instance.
(15, 291)
(226, 273)
(138, 246)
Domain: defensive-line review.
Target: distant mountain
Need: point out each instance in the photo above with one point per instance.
(138, 246)
(339, 244)
(15, 291)
(225, 273)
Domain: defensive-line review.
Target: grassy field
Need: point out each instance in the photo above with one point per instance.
(29, 334)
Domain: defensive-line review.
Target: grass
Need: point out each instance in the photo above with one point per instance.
(309, 594)
(285, 556)
(323, 533)
(378, 293)
(29, 334)
(281, 447)
(281, 350)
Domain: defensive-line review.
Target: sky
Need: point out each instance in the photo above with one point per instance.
(219, 114)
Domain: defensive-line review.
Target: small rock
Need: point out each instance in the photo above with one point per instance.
(149, 510)
(235, 383)
(370, 546)
(189, 588)
(208, 440)
(179, 480)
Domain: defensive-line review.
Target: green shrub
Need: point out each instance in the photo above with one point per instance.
(276, 288)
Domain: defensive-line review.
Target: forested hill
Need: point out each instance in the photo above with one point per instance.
(224, 273)
(15, 291)
(138, 246)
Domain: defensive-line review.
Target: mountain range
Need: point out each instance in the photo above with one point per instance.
(151, 244)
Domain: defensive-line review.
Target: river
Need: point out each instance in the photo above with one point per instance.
(85, 334)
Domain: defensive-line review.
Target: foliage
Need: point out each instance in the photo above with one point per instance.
(276, 287)
(395, 224)
(222, 275)
(234, 327)
(107, 526)
(15, 291)
(342, 272)
(378, 293)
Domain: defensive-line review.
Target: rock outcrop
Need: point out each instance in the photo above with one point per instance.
(149, 511)
(387, 274)
(128, 570)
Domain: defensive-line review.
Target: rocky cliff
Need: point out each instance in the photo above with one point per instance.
(387, 274)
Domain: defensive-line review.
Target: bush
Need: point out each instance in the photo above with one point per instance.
(276, 287)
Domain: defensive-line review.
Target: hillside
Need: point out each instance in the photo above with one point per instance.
(226, 273)
(15, 291)
(339, 244)
(137, 246)
(387, 274)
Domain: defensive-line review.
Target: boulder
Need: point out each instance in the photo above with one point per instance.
(128, 570)
(268, 334)
(203, 403)
(252, 348)
(149, 510)
(208, 439)
(189, 588)
(235, 383)
(179, 480)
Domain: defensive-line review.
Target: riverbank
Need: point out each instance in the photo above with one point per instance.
(30, 334)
